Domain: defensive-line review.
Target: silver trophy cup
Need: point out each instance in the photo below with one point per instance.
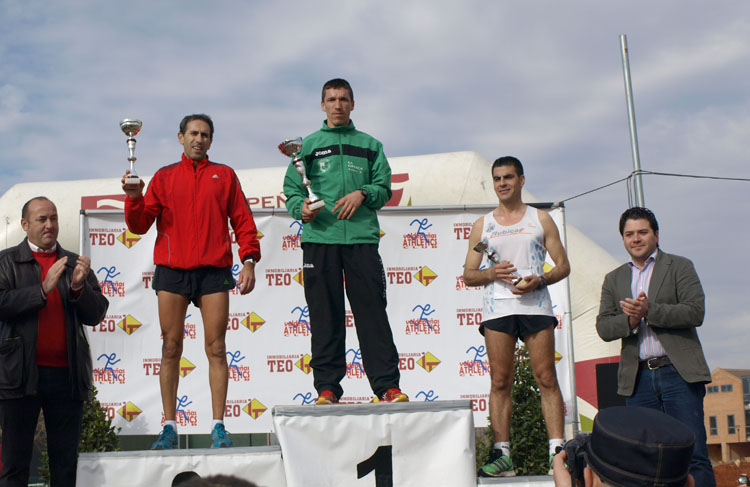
(291, 148)
(131, 127)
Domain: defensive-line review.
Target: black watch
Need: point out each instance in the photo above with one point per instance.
(364, 192)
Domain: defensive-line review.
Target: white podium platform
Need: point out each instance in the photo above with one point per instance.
(378, 445)
(149, 468)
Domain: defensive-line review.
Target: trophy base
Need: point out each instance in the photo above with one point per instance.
(314, 205)
(132, 181)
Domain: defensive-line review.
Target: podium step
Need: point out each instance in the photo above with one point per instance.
(378, 445)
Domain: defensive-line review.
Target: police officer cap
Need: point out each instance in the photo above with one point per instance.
(639, 447)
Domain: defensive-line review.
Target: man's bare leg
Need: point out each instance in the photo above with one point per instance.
(215, 312)
(541, 346)
(500, 352)
(172, 309)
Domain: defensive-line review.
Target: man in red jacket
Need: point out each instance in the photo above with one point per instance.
(191, 201)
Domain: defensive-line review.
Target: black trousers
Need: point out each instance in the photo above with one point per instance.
(327, 268)
(62, 419)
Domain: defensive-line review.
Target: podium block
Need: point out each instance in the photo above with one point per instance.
(378, 445)
(261, 465)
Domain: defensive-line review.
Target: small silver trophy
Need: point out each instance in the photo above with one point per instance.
(484, 248)
(291, 148)
(131, 127)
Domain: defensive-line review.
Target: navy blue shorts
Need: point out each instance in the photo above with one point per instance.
(193, 283)
(519, 325)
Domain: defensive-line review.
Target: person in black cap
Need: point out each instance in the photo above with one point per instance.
(631, 446)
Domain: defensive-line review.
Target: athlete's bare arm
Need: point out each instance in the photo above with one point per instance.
(556, 251)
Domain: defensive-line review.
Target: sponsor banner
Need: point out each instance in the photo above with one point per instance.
(435, 320)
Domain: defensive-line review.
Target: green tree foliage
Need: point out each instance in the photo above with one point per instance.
(528, 433)
(97, 434)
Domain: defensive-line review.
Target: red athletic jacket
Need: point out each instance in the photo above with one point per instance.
(191, 205)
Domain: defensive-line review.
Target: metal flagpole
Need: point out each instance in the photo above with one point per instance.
(638, 187)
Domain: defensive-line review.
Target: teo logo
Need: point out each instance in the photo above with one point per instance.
(479, 402)
(108, 374)
(233, 408)
(110, 287)
(462, 230)
(354, 368)
(299, 325)
(419, 238)
(476, 365)
(251, 321)
(403, 275)
(283, 277)
(146, 277)
(428, 361)
(469, 316)
(111, 323)
(152, 366)
(186, 366)
(294, 240)
(285, 364)
(421, 324)
(254, 408)
(237, 371)
(107, 237)
(128, 411)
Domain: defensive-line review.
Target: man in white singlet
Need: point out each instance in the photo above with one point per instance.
(516, 304)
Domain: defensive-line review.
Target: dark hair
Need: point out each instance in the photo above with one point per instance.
(638, 213)
(197, 116)
(336, 83)
(508, 161)
(25, 209)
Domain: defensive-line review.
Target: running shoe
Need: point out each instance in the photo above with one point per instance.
(326, 397)
(499, 466)
(220, 437)
(167, 439)
(393, 394)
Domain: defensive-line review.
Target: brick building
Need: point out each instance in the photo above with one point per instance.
(727, 414)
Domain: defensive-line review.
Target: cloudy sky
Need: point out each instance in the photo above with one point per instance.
(541, 80)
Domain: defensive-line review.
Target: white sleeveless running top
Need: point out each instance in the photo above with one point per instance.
(522, 245)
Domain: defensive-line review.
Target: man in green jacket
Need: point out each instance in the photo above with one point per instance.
(349, 171)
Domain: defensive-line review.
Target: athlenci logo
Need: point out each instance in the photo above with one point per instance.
(108, 285)
(292, 241)
(419, 238)
(299, 325)
(422, 324)
(108, 374)
(237, 371)
(476, 365)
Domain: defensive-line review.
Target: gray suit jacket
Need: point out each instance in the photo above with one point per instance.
(676, 309)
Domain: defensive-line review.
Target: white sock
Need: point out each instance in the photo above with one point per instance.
(503, 446)
(217, 421)
(554, 444)
(172, 423)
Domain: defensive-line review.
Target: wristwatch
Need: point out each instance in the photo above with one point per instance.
(250, 259)
(542, 283)
(364, 192)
